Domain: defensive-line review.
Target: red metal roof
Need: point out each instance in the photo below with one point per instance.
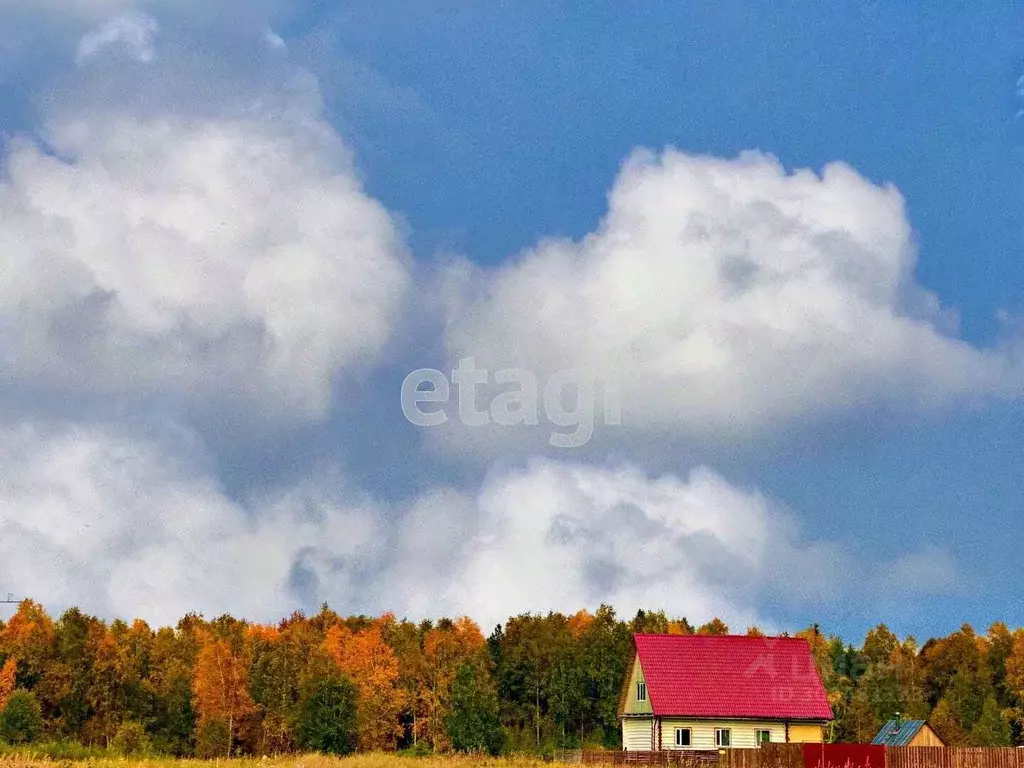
(732, 676)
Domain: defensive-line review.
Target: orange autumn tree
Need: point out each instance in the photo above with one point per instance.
(579, 623)
(29, 636)
(220, 685)
(7, 674)
(373, 666)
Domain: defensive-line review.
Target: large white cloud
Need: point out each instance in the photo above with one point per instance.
(563, 535)
(728, 297)
(128, 524)
(131, 525)
(234, 261)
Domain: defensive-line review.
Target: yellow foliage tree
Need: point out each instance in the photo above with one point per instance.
(445, 650)
(679, 627)
(1015, 670)
(104, 694)
(714, 627)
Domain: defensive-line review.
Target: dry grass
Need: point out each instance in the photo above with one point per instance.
(372, 760)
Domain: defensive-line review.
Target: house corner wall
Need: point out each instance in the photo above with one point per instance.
(806, 733)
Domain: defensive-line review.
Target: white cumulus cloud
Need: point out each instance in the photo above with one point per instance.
(128, 525)
(123, 523)
(226, 261)
(727, 298)
(558, 535)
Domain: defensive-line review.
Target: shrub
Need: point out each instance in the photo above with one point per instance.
(420, 749)
(131, 739)
(213, 740)
(21, 720)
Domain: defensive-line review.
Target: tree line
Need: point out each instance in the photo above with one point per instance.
(338, 684)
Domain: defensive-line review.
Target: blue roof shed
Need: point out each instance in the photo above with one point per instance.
(901, 733)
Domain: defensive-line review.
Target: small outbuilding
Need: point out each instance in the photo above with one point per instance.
(907, 733)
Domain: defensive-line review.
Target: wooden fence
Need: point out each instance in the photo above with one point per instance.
(814, 756)
(671, 757)
(954, 757)
(765, 756)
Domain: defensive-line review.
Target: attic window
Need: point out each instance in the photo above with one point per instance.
(641, 691)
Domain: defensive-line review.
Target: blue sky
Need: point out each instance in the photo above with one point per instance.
(234, 233)
(541, 101)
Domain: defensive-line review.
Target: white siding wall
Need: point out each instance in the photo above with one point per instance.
(636, 733)
(702, 732)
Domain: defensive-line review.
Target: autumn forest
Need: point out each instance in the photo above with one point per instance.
(339, 684)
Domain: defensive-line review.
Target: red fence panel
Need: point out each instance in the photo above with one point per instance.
(844, 756)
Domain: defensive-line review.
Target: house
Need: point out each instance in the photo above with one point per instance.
(707, 692)
(907, 733)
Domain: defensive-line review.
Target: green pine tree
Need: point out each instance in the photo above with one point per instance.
(473, 724)
(326, 720)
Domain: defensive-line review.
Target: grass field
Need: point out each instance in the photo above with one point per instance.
(373, 760)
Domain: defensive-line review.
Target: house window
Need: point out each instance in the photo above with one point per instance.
(641, 691)
(764, 736)
(682, 737)
(723, 737)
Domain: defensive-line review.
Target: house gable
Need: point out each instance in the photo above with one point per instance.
(926, 737)
(631, 704)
